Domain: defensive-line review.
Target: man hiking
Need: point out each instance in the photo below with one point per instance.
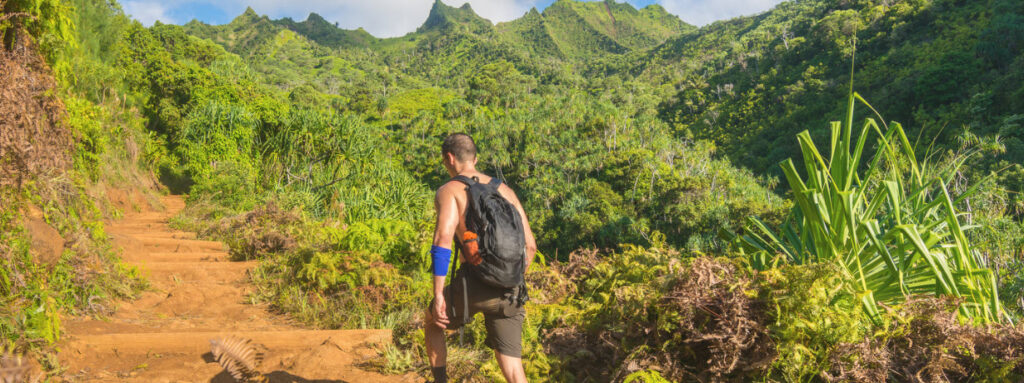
(495, 246)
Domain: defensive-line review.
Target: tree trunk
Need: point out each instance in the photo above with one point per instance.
(11, 37)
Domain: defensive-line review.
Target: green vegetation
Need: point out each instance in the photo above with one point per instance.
(82, 142)
(753, 83)
(893, 228)
(638, 145)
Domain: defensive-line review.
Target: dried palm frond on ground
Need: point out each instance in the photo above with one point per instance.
(548, 286)
(580, 263)
(15, 368)
(722, 328)
(864, 362)
(929, 345)
(934, 346)
(239, 357)
(698, 320)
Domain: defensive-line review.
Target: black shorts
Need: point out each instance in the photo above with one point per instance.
(502, 318)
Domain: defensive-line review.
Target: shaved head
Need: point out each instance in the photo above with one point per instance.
(461, 145)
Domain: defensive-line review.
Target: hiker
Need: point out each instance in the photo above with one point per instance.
(494, 245)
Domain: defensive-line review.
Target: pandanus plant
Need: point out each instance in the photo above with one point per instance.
(891, 224)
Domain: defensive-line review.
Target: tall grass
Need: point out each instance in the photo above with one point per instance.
(891, 224)
(337, 164)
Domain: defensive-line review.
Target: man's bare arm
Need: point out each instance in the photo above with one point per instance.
(447, 221)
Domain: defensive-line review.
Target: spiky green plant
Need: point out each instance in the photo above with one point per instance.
(891, 224)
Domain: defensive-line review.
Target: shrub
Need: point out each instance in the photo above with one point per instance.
(927, 343)
(891, 226)
(641, 309)
(229, 185)
(257, 234)
(810, 316)
(328, 274)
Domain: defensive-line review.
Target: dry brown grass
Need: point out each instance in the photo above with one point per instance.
(257, 233)
(723, 329)
(718, 326)
(929, 344)
(33, 136)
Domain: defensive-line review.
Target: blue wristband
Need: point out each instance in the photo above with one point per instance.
(441, 258)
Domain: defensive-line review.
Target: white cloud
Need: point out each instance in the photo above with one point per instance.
(147, 11)
(703, 12)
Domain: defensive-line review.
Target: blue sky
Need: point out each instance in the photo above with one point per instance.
(389, 18)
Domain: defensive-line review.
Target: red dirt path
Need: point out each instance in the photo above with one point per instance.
(198, 295)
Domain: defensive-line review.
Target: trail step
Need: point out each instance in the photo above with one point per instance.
(199, 342)
(140, 221)
(184, 242)
(199, 256)
(160, 267)
(149, 233)
(196, 271)
(197, 294)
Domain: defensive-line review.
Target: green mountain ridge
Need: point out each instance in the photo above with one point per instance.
(243, 34)
(573, 33)
(531, 33)
(316, 28)
(586, 29)
(755, 81)
(744, 82)
(566, 29)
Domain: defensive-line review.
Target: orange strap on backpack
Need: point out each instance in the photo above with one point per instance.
(471, 248)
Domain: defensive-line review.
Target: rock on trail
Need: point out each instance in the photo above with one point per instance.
(196, 295)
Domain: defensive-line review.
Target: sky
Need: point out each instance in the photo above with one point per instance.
(390, 18)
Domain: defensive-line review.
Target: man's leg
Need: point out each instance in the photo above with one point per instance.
(511, 367)
(437, 351)
(505, 335)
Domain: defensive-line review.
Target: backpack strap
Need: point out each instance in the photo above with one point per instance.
(466, 180)
(455, 266)
(495, 183)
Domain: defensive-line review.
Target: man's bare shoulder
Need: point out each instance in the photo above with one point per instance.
(508, 193)
(504, 188)
(450, 188)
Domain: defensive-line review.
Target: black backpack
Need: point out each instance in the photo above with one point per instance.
(500, 234)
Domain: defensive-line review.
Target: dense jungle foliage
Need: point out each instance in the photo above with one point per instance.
(645, 152)
(65, 146)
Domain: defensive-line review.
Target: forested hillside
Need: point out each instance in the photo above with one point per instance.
(941, 68)
(645, 150)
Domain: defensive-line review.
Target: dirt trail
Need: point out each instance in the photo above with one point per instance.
(197, 294)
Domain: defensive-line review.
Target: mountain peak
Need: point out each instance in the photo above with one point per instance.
(439, 8)
(248, 17)
(327, 33)
(315, 18)
(657, 9)
(442, 16)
